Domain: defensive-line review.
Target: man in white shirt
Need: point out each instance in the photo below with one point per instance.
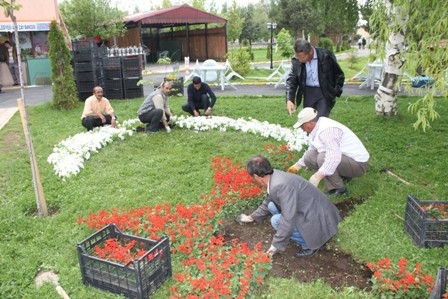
(334, 152)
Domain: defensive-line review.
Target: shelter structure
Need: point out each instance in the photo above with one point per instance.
(182, 30)
(33, 24)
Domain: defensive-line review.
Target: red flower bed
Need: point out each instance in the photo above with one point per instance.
(213, 268)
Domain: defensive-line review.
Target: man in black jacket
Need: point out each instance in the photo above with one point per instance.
(316, 76)
(199, 96)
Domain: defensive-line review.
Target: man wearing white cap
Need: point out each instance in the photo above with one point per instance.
(334, 152)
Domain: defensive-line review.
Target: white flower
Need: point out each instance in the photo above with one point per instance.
(68, 157)
(294, 138)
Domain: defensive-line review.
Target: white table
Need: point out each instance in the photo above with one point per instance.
(220, 69)
(375, 73)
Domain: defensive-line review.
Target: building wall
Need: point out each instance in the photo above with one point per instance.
(203, 44)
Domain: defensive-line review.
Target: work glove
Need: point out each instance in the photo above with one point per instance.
(168, 129)
(316, 178)
(271, 251)
(294, 168)
(243, 219)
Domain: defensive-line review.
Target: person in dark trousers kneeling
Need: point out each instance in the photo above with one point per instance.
(98, 111)
(155, 110)
(299, 210)
(199, 96)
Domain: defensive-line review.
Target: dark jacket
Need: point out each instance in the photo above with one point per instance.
(303, 207)
(194, 95)
(331, 78)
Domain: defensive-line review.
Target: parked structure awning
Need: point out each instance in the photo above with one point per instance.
(175, 15)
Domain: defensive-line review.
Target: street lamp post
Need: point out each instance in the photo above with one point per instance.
(272, 26)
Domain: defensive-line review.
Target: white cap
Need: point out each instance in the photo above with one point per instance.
(307, 114)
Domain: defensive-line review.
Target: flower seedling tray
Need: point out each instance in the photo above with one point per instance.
(139, 278)
(426, 228)
(440, 285)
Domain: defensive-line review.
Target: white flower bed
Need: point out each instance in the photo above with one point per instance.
(68, 157)
(294, 138)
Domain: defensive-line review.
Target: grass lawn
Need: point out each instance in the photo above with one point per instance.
(145, 170)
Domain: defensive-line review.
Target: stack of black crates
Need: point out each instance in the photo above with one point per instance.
(117, 75)
(88, 66)
(132, 73)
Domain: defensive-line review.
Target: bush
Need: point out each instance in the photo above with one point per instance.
(326, 43)
(240, 60)
(65, 96)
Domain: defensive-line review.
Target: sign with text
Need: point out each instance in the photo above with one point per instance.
(25, 26)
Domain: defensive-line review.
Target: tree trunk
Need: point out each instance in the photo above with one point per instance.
(387, 93)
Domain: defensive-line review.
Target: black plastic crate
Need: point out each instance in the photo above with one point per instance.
(131, 62)
(86, 86)
(96, 75)
(135, 72)
(87, 66)
(113, 84)
(83, 95)
(139, 278)
(113, 73)
(177, 87)
(112, 63)
(85, 56)
(114, 93)
(440, 285)
(133, 93)
(131, 83)
(424, 228)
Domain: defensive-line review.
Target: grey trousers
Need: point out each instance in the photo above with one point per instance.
(347, 168)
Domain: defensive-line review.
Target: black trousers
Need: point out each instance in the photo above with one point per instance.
(152, 119)
(315, 99)
(90, 122)
(204, 103)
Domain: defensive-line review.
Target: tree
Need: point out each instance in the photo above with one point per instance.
(255, 20)
(235, 22)
(366, 11)
(285, 43)
(297, 16)
(92, 18)
(424, 23)
(64, 89)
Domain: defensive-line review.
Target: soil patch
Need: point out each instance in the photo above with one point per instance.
(331, 265)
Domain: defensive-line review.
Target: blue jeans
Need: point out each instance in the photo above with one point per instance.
(275, 221)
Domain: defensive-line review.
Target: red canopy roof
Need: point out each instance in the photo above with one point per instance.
(180, 14)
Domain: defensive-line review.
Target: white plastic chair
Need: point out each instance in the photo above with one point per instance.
(210, 76)
(195, 72)
(286, 67)
(229, 72)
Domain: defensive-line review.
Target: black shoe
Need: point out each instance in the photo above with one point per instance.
(139, 129)
(338, 191)
(15, 84)
(306, 252)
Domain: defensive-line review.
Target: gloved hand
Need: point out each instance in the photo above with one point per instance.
(168, 129)
(271, 251)
(316, 178)
(243, 218)
(294, 168)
